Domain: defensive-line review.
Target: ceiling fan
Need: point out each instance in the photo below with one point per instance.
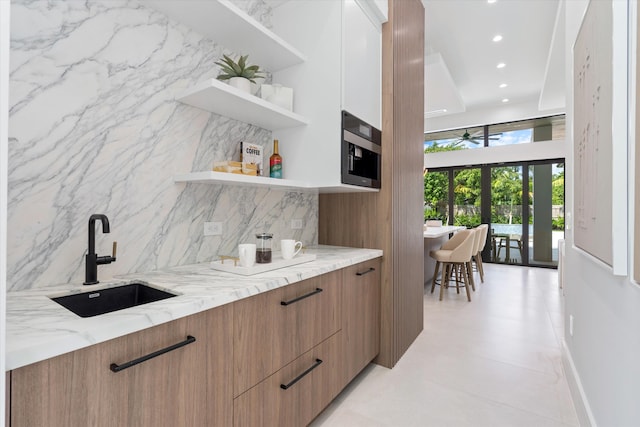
(477, 137)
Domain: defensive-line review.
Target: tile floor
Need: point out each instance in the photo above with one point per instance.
(494, 361)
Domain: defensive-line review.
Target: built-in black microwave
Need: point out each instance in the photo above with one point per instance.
(361, 152)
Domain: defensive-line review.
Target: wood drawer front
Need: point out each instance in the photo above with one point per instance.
(268, 335)
(267, 404)
(361, 316)
(187, 386)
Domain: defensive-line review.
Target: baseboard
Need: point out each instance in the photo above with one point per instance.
(580, 401)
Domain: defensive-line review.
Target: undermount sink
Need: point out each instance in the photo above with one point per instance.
(103, 301)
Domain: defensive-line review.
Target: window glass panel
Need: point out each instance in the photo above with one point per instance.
(546, 183)
(525, 131)
(506, 215)
(436, 196)
(466, 195)
(450, 140)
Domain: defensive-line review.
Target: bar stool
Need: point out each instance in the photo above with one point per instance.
(477, 255)
(455, 257)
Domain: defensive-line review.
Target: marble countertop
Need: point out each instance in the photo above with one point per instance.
(39, 328)
(435, 232)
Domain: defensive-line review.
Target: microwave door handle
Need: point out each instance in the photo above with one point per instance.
(359, 141)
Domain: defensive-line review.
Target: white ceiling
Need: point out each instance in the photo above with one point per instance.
(460, 61)
(459, 37)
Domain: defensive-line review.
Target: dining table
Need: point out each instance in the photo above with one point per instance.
(434, 237)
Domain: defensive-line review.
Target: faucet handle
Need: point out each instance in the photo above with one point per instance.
(115, 247)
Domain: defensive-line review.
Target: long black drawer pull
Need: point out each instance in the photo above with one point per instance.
(117, 368)
(299, 377)
(310, 294)
(366, 272)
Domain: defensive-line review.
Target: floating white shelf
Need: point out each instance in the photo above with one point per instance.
(220, 98)
(210, 177)
(231, 27)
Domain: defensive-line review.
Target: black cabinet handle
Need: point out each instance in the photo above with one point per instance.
(366, 272)
(310, 294)
(299, 377)
(117, 368)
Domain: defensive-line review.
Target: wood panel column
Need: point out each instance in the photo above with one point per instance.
(392, 219)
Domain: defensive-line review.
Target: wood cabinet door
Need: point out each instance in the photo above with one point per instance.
(269, 334)
(326, 380)
(361, 314)
(318, 316)
(312, 381)
(189, 385)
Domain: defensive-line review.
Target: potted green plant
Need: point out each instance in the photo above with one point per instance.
(239, 74)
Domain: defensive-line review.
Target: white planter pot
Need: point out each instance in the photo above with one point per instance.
(255, 87)
(240, 83)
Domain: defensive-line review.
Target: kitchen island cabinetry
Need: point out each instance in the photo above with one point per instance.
(361, 316)
(190, 385)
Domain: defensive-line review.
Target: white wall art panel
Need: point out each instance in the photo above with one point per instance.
(593, 133)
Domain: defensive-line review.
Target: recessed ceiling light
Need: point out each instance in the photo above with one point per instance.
(505, 100)
(501, 65)
(491, 1)
(497, 38)
(503, 85)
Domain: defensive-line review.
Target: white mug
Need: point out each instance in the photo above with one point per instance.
(288, 247)
(247, 252)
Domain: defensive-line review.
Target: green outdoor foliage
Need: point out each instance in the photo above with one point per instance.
(240, 69)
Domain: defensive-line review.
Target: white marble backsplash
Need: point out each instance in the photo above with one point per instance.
(94, 128)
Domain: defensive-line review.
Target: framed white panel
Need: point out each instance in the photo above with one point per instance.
(634, 152)
(619, 139)
(593, 135)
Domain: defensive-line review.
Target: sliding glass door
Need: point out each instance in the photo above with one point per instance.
(546, 212)
(507, 233)
(522, 202)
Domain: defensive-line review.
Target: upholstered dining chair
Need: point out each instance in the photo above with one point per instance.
(477, 255)
(454, 256)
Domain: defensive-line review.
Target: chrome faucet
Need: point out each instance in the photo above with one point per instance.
(92, 260)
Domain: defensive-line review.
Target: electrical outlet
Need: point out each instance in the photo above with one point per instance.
(212, 228)
(296, 224)
(571, 324)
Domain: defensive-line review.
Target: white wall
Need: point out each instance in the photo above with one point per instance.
(4, 119)
(602, 355)
(481, 117)
(541, 150)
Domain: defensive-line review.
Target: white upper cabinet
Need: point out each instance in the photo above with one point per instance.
(232, 28)
(343, 72)
(361, 62)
